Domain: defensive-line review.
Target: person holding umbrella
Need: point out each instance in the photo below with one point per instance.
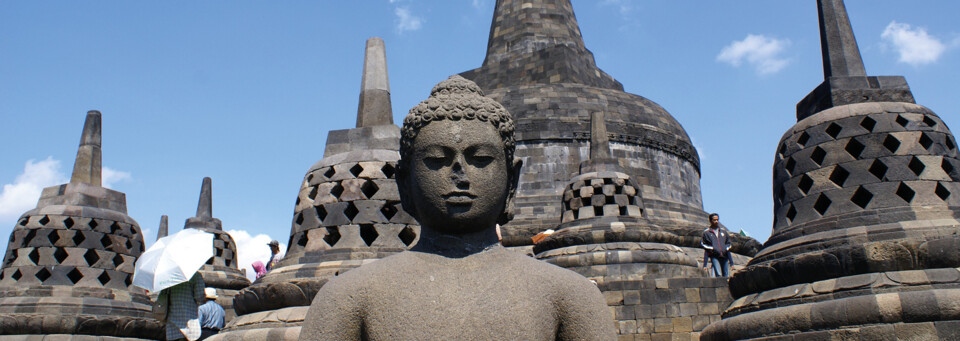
(184, 300)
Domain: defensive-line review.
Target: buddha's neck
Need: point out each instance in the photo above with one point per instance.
(455, 245)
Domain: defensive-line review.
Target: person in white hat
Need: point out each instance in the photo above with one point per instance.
(211, 315)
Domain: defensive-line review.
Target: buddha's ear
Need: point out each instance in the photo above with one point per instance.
(403, 188)
(513, 179)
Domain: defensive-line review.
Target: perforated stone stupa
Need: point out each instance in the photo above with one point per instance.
(538, 67)
(865, 240)
(69, 262)
(221, 271)
(347, 214)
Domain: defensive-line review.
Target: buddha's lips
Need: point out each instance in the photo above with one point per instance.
(459, 197)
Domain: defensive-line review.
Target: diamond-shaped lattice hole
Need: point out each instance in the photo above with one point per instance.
(74, 276)
(128, 244)
(803, 139)
(336, 190)
(106, 241)
(948, 168)
(351, 211)
(91, 257)
(330, 172)
(854, 148)
(104, 278)
(388, 170)
(805, 184)
(839, 175)
(93, 224)
(949, 142)
(219, 252)
(302, 241)
(789, 165)
(16, 275)
(29, 237)
(60, 255)
(313, 193)
(68, 222)
(942, 192)
(818, 155)
(905, 192)
(791, 213)
(44, 220)
(53, 236)
(78, 238)
(43, 274)
(783, 149)
(115, 227)
(407, 236)
(333, 236)
(878, 169)
(822, 204)
(321, 212)
(356, 170)
(369, 188)
(117, 260)
(389, 210)
(861, 197)
(127, 280)
(833, 130)
(24, 221)
(309, 177)
(891, 143)
(929, 121)
(34, 256)
(368, 233)
(781, 193)
(868, 123)
(299, 218)
(902, 121)
(133, 230)
(925, 141)
(916, 166)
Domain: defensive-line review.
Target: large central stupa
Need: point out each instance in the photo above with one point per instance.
(538, 67)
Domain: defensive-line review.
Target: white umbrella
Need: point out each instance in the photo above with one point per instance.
(173, 259)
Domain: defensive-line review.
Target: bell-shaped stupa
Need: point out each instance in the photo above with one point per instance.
(69, 264)
(221, 271)
(865, 240)
(347, 214)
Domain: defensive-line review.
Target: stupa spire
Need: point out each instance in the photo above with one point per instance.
(375, 108)
(87, 167)
(162, 230)
(204, 218)
(599, 141)
(841, 55)
(510, 34)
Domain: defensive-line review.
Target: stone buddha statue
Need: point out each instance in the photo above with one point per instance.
(457, 176)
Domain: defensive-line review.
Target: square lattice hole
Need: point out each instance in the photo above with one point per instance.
(368, 233)
(789, 165)
(356, 170)
(822, 204)
(34, 256)
(948, 168)
(389, 210)
(321, 212)
(104, 278)
(351, 211)
(68, 222)
(839, 175)
(60, 255)
(333, 236)
(805, 184)
(329, 172)
(818, 155)
(783, 149)
(803, 139)
(43, 274)
(942, 192)
(916, 166)
(905, 192)
(54, 237)
(44, 220)
(337, 190)
(891, 143)
(925, 141)
(369, 188)
(949, 142)
(854, 148)
(868, 123)
(878, 169)
(388, 170)
(91, 257)
(929, 121)
(74, 276)
(407, 235)
(833, 130)
(791, 213)
(861, 197)
(902, 121)
(313, 193)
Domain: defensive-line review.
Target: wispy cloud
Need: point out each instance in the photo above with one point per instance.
(406, 21)
(624, 6)
(111, 177)
(252, 248)
(914, 45)
(761, 52)
(21, 195)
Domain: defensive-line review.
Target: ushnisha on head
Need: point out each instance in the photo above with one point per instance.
(457, 172)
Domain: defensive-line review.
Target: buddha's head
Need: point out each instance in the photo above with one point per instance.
(457, 172)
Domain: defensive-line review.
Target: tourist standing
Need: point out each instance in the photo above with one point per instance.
(274, 250)
(716, 247)
(259, 268)
(211, 315)
(182, 313)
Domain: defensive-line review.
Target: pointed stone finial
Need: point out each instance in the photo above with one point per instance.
(162, 230)
(205, 206)
(375, 108)
(87, 167)
(599, 141)
(841, 56)
(514, 32)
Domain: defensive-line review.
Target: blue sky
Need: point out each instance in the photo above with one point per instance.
(245, 92)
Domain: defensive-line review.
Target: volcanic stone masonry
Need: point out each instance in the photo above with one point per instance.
(221, 271)
(347, 213)
(69, 264)
(865, 241)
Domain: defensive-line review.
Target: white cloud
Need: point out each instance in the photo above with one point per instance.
(915, 46)
(21, 195)
(624, 6)
(252, 248)
(406, 21)
(761, 52)
(110, 177)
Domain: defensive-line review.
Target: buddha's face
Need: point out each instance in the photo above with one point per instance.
(458, 178)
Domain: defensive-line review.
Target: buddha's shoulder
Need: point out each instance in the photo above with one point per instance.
(541, 270)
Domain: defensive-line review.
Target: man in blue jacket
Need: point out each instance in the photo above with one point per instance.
(716, 247)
